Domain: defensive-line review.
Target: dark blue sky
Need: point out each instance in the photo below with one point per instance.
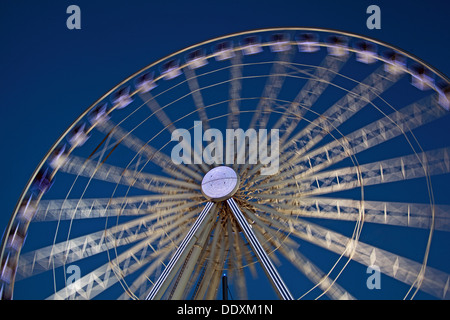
(50, 75)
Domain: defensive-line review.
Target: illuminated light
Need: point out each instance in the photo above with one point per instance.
(196, 59)
(365, 53)
(308, 42)
(224, 51)
(170, 70)
(122, 98)
(251, 45)
(78, 136)
(279, 42)
(145, 82)
(337, 46)
(396, 63)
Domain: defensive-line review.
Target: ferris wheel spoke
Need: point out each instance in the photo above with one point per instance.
(310, 93)
(153, 155)
(392, 170)
(96, 281)
(162, 116)
(361, 95)
(272, 273)
(235, 91)
(197, 280)
(395, 266)
(410, 272)
(419, 165)
(187, 243)
(156, 109)
(272, 89)
(139, 286)
(416, 215)
(390, 213)
(110, 173)
(270, 237)
(151, 226)
(329, 286)
(142, 284)
(304, 265)
(194, 87)
(165, 248)
(269, 95)
(123, 265)
(68, 209)
(385, 129)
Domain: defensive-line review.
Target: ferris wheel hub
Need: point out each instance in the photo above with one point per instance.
(220, 183)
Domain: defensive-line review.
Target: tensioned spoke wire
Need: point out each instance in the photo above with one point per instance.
(94, 282)
(400, 268)
(304, 265)
(310, 93)
(272, 89)
(124, 264)
(53, 210)
(416, 215)
(156, 109)
(419, 165)
(162, 116)
(408, 217)
(375, 133)
(273, 216)
(114, 174)
(361, 95)
(155, 156)
(142, 284)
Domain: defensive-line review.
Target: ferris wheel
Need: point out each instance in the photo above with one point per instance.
(298, 162)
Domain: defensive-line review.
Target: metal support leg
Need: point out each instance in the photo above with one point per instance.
(269, 268)
(156, 292)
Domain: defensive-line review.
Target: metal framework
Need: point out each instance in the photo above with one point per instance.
(359, 150)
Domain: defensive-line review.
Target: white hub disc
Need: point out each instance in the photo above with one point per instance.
(220, 183)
